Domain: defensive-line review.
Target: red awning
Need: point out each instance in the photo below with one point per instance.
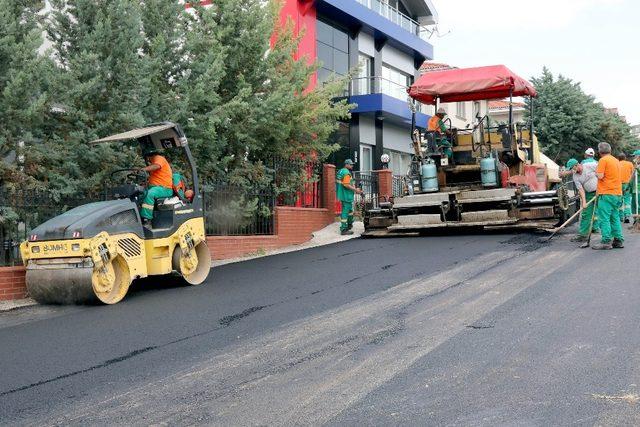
(469, 84)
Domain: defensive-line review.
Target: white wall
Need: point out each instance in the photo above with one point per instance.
(398, 59)
(502, 116)
(451, 109)
(366, 44)
(396, 137)
(367, 130)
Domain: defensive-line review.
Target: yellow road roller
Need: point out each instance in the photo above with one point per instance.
(93, 252)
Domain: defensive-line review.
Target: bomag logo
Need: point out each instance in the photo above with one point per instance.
(55, 247)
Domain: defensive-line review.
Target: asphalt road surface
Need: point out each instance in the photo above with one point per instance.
(459, 330)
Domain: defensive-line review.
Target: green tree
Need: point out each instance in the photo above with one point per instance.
(164, 31)
(568, 121)
(102, 84)
(24, 97)
(240, 94)
(248, 98)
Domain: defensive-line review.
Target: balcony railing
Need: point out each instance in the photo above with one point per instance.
(376, 84)
(397, 17)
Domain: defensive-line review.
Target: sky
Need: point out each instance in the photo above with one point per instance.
(594, 42)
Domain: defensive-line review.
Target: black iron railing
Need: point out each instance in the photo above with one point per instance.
(368, 182)
(231, 210)
(398, 185)
(21, 211)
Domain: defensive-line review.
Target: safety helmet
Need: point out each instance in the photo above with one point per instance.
(571, 163)
(441, 111)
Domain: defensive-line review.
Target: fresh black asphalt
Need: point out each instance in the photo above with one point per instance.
(53, 356)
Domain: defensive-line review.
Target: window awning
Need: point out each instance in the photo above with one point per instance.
(470, 84)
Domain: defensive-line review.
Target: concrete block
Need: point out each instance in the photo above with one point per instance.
(496, 193)
(433, 199)
(479, 216)
(422, 219)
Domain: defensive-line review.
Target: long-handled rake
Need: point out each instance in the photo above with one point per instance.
(593, 216)
(570, 220)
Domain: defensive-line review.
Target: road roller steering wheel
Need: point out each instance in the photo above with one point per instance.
(135, 179)
(133, 175)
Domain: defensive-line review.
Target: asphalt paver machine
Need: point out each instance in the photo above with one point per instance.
(485, 176)
(93, 252)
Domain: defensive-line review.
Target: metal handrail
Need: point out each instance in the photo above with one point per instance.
(368, 86)
(397, 17)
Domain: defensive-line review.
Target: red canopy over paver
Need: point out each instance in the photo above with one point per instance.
(470, 84)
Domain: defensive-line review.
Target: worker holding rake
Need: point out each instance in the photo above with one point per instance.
(345, 191)
(586, 182)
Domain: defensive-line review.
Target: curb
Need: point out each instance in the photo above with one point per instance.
(16, 303)
(326, 236)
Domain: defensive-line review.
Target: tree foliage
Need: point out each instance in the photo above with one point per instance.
(568, 121)
(24, 85)
(119, 64)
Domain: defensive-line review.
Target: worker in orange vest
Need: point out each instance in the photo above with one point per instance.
(436, 124)
(609, 199)
(160, 182)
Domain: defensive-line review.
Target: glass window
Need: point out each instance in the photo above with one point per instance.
(399, 163)
(364, 83)
(394, 82)
(325, 56)
(366, 163)
(324, 33)
(333, 51)
(340, 40)
(461, 110)
(340, 62)
(323, 74)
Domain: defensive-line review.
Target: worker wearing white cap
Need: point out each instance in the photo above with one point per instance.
(436, 124)
(589, 155)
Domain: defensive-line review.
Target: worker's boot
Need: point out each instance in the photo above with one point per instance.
(579, 238)
(346, 232)
(602, 246)
(617, 244)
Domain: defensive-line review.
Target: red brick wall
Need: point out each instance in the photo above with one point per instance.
(293, 226)
(12, 284)
(385, 184)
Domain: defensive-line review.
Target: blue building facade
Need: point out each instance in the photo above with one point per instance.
(388, 41)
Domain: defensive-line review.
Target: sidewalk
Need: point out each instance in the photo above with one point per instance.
(328, 235)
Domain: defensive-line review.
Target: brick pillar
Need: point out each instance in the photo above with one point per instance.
(385, 184)
(329, 189)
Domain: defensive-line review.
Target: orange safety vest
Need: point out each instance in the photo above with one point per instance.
(162, 177)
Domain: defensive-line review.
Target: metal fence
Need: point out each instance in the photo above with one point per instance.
(298, 183)
(231, 210)
(398, 185)
(368, 182)
(21, 211)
